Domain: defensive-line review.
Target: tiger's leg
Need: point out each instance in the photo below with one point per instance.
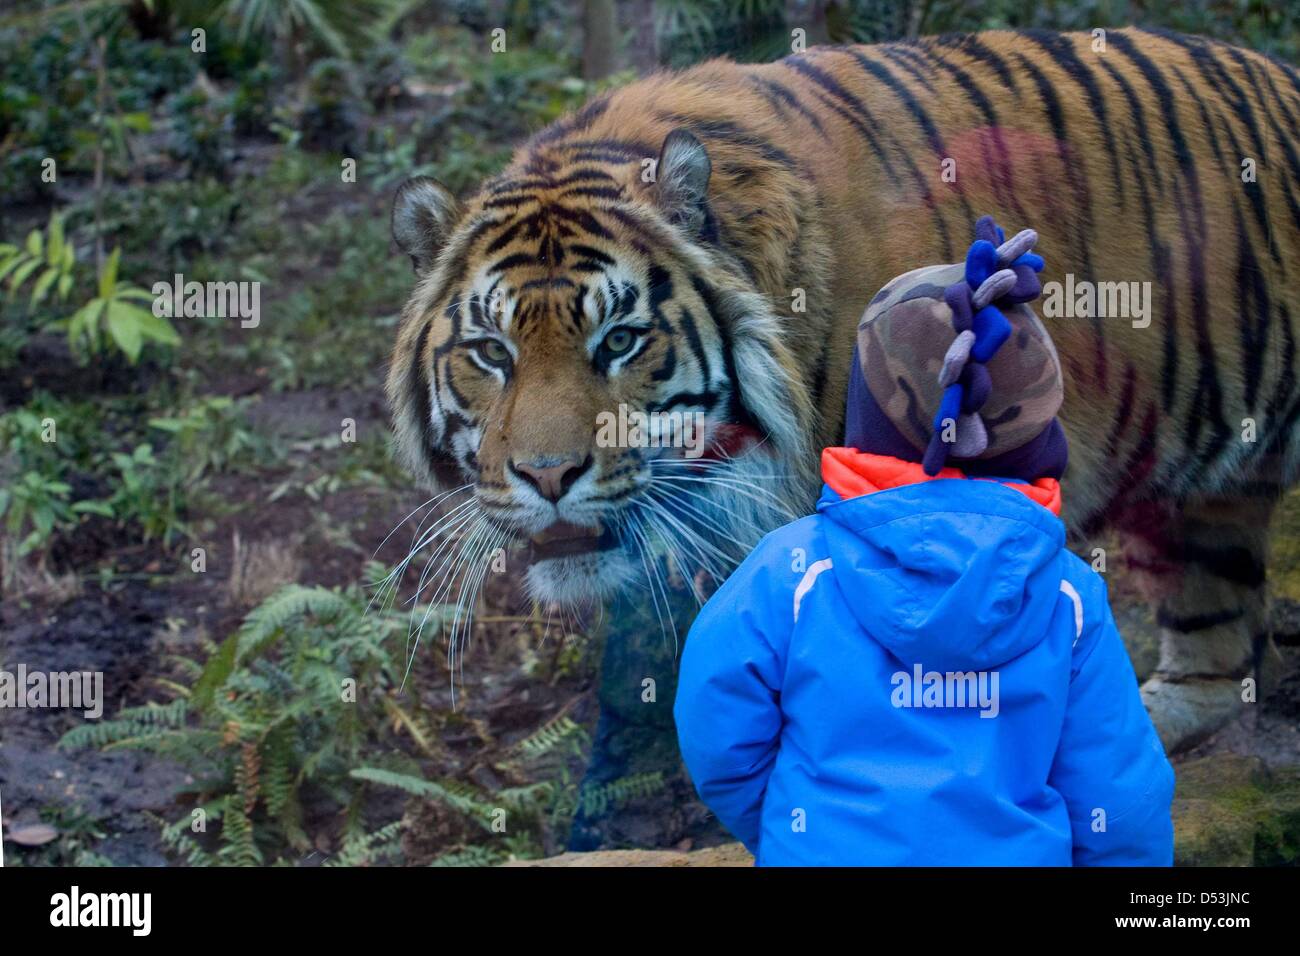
(1213, 616)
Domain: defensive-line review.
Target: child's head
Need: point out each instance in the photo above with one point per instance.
(952, 367)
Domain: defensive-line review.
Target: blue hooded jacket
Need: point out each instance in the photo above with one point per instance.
(922, 675)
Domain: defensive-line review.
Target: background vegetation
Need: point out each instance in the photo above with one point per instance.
(127, 441)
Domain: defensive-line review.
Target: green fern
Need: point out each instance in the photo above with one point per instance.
(529, 798)
(239, 847)
(369, 848)
(263, 718)
(457, 795)
(470, 856)
(596, 801)
(134, 726)
(549, 737)
(269, 621)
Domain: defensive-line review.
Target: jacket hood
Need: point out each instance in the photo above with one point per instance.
(953, 573)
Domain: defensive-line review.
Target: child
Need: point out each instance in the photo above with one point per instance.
(920, 673)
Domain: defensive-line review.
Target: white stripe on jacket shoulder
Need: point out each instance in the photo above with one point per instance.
(1068, 589)
(806, 583)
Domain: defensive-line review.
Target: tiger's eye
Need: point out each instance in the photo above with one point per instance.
(619, 341)
(494, 352)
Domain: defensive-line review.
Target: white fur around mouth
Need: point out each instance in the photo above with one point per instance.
(578, 579)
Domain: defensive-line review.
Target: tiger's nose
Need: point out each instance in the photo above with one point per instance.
(551, 479)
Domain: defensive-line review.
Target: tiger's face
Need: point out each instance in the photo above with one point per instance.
(590, 373)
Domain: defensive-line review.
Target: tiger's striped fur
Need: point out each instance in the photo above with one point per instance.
(824, 180)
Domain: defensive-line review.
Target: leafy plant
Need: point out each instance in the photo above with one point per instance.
(35, 504)
(114, 136)
(147, 492)
(342, 27)
(299, 710)
(283, 706)
(329, 119)
(209, 435)
(113, 317)
(36, 498)
(47, 256)
(250, 104)
(540, 797)
(202, 128)
(169, 220)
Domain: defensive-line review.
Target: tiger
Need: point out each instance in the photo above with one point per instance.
(703, 243)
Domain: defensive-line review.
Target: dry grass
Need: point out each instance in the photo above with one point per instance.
(259, 568)
(28, 578)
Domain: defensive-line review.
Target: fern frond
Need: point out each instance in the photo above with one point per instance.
(268, 620)
(369, 848)
(470, 856)
(598, 800)
(238, 845)
(548, 737)
(133, 725)
(457, 795)
(531, 797)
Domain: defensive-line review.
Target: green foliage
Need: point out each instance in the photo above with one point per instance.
(33, 507)
(290, 710)
(367, 849)
(113, 135)
(550, 738)
(148, 492)
(43, 268)
(455, 794)
(383, 72)
(45, 257)
(49, 92)
(471, 856)
(288, 702)
(392, 161)
(251, 103)
(171, 222)
(50, 443)
(210, 435)
(538, 801)
(599, 800)
(340, 27)
(112, 316)
(133, 726)
(36, 501)
(329, 120)
(534, 85)
(202, 133)
(336, 328)
(78, 832)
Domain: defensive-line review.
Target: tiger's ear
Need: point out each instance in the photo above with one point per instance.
(423, 214)
(682, 180)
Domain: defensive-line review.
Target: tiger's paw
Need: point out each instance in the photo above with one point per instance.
(1187, 710)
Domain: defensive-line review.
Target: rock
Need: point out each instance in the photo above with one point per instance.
(37, 834)
(1229, 810)
(1233, 810)
(729, 854)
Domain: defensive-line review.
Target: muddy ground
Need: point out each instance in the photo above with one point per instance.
(112, 802)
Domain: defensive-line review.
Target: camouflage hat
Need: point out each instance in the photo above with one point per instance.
(957, 360)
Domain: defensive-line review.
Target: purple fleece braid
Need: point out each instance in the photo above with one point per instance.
(998, 273)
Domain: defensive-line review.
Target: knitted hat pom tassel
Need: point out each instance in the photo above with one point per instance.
(1000, 273)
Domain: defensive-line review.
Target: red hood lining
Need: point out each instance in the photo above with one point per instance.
(851, 473)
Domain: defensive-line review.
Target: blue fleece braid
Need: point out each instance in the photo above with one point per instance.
(999, 275)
